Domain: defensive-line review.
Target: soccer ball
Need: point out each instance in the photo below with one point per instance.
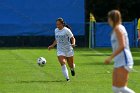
(41, 61)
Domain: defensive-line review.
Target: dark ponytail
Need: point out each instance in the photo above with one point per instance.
(66, 25)
(63, 22)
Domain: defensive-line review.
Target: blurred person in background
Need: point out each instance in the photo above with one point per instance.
(138, 27)
(92, 18)
(123, 60)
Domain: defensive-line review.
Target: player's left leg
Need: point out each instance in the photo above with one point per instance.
(126, 90)
(120, 77)
(71, 64)
(139, 35)
(120, 80)
(138, 42)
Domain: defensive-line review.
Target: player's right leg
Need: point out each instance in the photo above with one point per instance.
(62, 61)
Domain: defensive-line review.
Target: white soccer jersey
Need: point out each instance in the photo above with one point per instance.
(125, 57)
(63, 39)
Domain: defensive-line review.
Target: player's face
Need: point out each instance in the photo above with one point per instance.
(59, 25)
(110, 22)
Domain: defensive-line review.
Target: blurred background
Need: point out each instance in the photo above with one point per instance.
(128, 8)
(31, 23)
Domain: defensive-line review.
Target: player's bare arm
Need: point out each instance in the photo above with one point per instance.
(73, 41)
(52, 46)
(121, 47)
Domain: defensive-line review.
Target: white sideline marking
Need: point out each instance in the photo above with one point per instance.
(101, 52)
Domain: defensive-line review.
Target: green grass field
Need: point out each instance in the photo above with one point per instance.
(19, 72)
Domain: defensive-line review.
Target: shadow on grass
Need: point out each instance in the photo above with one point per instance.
(39, 81)
(95, 49)
(136, 55)
(95, 63)
(136, 62)
(95, 54)
(135, 49)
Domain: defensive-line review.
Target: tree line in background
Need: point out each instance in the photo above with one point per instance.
(130, 9)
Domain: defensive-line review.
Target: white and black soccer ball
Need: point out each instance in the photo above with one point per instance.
(41, 61)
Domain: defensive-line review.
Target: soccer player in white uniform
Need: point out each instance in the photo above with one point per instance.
(65, 42)
(123, 61)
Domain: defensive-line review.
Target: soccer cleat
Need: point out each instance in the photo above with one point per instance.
(68, 80)
(72, 72)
